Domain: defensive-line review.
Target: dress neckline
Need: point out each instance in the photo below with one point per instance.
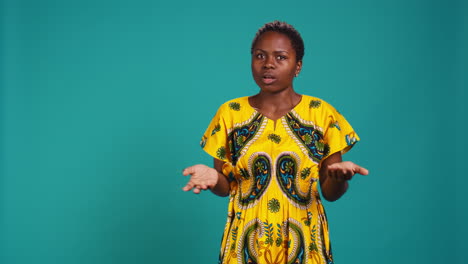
(281, 117)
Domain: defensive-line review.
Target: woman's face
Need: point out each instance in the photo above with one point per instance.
(274, 62)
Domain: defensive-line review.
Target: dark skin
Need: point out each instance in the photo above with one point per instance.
(274, 66)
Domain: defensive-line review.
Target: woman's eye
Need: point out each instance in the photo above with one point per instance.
(280, 57)
(259, 56)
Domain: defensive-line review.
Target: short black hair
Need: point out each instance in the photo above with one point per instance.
(286, 29)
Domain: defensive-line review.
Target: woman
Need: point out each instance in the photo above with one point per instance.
(270, 150)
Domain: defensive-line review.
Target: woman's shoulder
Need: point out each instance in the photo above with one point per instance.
(236, 109)
(235, 105)
(313, 103)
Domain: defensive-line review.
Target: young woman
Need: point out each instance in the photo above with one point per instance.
(270, 151)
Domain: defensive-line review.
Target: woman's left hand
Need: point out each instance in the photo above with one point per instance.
(344, 171)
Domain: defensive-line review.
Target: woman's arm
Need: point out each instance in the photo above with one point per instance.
(203, 177)
(222, 187)
(334, 176)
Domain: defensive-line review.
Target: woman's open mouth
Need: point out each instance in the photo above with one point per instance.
(268, 79)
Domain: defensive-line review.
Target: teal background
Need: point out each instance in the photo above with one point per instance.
(103, 104)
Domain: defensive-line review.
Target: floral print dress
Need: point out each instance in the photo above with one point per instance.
(275, 214)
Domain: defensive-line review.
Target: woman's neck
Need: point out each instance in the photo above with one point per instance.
(275, 105)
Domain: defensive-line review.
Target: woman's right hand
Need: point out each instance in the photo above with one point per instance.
(202, 177)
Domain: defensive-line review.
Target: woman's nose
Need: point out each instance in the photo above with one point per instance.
(269, 63)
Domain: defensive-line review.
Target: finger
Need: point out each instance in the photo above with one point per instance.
(330, 170)
(338, 176)
(187, 187)
(348, 174)
(202, 185)
(361, 170)
(196, 190)
(190, 185)
(187, 171)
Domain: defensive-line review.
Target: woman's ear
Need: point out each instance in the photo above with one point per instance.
(298, 68)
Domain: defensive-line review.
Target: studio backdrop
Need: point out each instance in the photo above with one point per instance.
(103, 103)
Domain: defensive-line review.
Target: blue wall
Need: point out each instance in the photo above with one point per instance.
(103, 104)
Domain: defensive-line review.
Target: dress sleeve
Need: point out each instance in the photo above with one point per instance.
(339, 135)
(215, 139)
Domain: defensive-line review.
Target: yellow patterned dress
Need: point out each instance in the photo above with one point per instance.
(275, 214)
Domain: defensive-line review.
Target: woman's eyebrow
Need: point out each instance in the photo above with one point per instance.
(275, 51)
